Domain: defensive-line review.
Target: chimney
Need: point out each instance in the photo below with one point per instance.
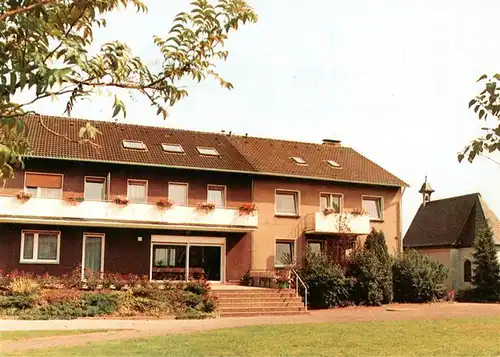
(331, 142)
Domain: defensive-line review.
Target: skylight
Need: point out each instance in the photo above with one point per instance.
(207, 151)
(299, 160)
(174, 148)
(333, 163)
(132, 144)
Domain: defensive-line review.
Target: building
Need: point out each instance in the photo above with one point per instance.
(78, 211)
(445, 230)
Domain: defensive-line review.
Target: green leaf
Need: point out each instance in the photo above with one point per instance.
(484, 76)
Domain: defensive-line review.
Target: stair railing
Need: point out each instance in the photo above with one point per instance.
(298, 280)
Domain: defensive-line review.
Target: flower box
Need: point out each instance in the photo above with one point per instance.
(247, 209)
(74, 200)
(329, 211)
(164, 203)
(121, 200)
(359, 212)
(23, 195)
(207, 207)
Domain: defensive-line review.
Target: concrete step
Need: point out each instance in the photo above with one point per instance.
(255, 296)
(253, 291)
(262, 309)
(261, 304)
(263, 313)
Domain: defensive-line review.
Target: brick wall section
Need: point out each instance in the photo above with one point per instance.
(123, 252)
(238, 186)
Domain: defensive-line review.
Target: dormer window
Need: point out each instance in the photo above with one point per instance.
(173, 148)
(333, 163)
(299, 160)
(134, 145)
(207, 151)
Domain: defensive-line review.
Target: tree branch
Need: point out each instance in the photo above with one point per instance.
(42, 123)
(22, 10)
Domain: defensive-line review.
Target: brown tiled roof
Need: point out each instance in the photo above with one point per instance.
(274, 157)
(450, 222)
(237, 154)
(46, 144)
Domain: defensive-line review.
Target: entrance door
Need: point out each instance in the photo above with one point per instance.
(93, 253)
(184, 258)
(205, 261)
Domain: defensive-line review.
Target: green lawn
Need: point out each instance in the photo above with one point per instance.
(18, 335)
(453, 337)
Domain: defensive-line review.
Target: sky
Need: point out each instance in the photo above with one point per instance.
(391, 79)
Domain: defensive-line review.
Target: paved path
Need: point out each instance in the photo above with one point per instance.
(148, 328)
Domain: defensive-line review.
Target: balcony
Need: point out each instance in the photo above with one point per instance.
(110, 214)
(337, 223)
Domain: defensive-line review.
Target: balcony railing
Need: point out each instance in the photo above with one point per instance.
(346, 223)
(94, 213)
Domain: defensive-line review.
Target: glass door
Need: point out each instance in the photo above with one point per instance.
(93, 254)
(205, 262)
(169, 262)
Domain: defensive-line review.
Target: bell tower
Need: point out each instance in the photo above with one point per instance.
(426, 191)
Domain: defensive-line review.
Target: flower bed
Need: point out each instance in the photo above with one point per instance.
(27, 296)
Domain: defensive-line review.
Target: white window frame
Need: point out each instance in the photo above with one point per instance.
(35, 259)
(341, 208)
(333, 164)
(103, 245)
(223, 188)
(181, 151)
(299, 160)
(294, 250)
(187, 192)
(381, 200)
(37, 195)
(145, 185)
(286, 191)
(199, 148)
(105, 187)
(142, 148)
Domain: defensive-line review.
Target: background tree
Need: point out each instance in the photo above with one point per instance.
(486, 278)
(487, 107)
(45, 51)
(375, 242)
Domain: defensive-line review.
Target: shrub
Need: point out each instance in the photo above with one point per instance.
(130, 305)
(193, 300)
(193, 314)
(200, 287)
(104, 304)
(375, 243)
(60, 311)
(209, 305)
(486, 277)
(23, 285)
(19, 302)
(418, 278)
(465, 295)
(367, 273)
(327, 284)
(52, 296)
(115, 280)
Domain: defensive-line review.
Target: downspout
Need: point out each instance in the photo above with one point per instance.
(108, 187)
(403, 188)
(252, 238)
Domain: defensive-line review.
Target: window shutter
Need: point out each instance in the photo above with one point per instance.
(43, 180)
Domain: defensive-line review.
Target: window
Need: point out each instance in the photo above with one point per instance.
(135, 145)
(315, 247)
(217, 196)
(95, 189)
(43, 185)
(284, 253)
(137, 191)
(328, 200)
(40, 247)
(173, 148)
(299, 160)
(287, 203)
(333, 163)
(373, 206)
(178, 193)
(207, 151)
(93, 253)
(467, 271)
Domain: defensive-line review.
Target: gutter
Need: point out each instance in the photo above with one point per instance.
(257, 173)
